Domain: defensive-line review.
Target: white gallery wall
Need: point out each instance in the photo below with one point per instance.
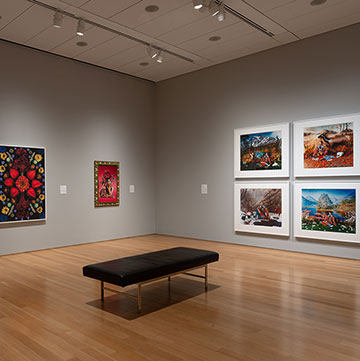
(196, 115)
(79, 113)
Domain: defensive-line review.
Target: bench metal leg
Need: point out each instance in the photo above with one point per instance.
(102, 291)
(169, 279)
(206, 277)
(139, 303)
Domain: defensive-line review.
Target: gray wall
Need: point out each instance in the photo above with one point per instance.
(197, 113)
(80, 114)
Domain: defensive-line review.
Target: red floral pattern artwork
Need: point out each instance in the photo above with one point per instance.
(22, 184)
(106, 183)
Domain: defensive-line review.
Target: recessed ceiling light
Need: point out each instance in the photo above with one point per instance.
(215, 38)
(82, 43)
(152, 8)
(317, 2)
(144, 63)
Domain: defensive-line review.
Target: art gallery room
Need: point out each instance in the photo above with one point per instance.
(179, 180)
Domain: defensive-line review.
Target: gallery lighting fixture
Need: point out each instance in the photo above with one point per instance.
(80, 30)
(155, 53)
(159, 57)
(221, 15)
(214, 8)
(219, 9)
(58, 19)
(198, 4)
(152, 52)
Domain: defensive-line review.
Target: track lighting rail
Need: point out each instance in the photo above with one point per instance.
(114, 31)
(246, 20)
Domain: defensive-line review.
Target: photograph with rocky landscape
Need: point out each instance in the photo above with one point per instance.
(261, 151)
(261, 207)
(329, 146)
(329, 210)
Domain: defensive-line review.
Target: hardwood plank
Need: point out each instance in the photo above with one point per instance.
(262, 305)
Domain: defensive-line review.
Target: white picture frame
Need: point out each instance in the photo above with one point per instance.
(241, 167)
(252, 221)
(315, 227)
(326, 151)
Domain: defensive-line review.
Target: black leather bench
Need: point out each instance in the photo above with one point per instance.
(149, 267)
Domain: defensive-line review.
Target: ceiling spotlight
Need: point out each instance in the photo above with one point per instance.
(221, 15)
(152, 52)
(214, 8)
(80, 27)
(159, 57)
(58, 19)
(198, 4)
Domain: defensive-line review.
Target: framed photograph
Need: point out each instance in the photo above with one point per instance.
(106, 183)
(262, 208)
(22, 184)
(327, 211)
(327, 147)
(262, 151)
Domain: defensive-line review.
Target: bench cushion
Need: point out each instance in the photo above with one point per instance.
(135, 269)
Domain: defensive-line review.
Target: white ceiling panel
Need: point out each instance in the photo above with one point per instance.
(93, 36)
(136, 14)
(171, 20)
(304, 31)
(199, 28)
(125, 57)
(106, 49)
(266, 5)
(75, 2)
(238, 53)
(28, 24)
(11, 10)
(52, 37)
(285, 37)
(108, 8)
(256, 16)
(231, 32)
(247, 40)
(295, 9)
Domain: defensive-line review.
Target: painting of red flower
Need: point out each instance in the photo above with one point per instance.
(22, 184)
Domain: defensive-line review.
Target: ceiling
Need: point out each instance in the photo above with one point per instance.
(176, 26)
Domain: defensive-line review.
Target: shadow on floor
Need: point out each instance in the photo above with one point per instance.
(155, 296)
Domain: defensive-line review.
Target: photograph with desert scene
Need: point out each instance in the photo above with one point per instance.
(329, 146)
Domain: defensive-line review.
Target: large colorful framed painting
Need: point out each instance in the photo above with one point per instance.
(327, 147)
(22, 184)
(106, 184)
(327, 211)
(262, 151)
(262, 208)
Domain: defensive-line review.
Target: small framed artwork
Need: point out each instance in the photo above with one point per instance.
(327, 211)
(262, 151)
(22, 184)
(327, 147)
(106, 183)
(262, 208)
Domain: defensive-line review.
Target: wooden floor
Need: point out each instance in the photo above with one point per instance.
(262, 305)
